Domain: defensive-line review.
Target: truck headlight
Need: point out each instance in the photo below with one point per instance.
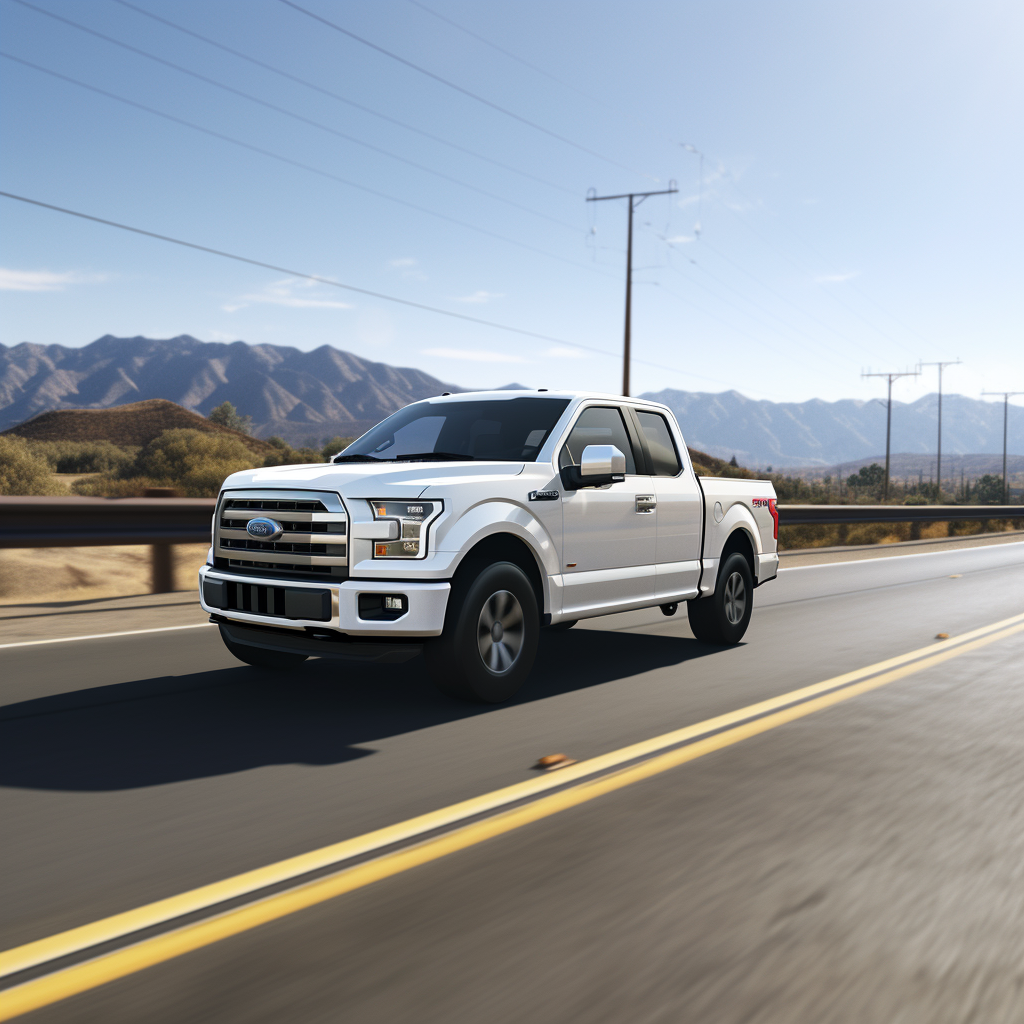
(412, 519)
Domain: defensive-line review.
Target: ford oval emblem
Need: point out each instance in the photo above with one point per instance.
(264, 529)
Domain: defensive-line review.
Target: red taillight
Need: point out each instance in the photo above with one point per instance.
(775, 518)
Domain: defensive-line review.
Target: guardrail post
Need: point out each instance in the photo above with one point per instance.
(162, 561)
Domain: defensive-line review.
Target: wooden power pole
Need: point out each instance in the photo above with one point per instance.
(635, 199)
(888, 418)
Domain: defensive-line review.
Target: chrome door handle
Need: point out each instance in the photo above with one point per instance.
(645, 504)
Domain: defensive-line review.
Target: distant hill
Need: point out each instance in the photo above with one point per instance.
(130, 425)
(313, 396)
(816, 433)
(286, 391)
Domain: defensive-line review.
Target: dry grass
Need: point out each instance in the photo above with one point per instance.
(29, 575)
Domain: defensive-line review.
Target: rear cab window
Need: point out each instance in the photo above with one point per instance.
(661, 447)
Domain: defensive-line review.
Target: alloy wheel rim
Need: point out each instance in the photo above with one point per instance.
(735, 598)
(499, 632)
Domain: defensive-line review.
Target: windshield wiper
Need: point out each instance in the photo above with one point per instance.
(356, 458)
(437, 456)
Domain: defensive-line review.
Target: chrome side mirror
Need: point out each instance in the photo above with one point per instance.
(600, 464)
(602, 460)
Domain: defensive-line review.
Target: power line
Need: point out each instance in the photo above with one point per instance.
(343, 99)
(336, 284)
(465, 92)
(302, 166)
(295, 116)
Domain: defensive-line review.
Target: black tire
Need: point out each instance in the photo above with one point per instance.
(561, 627)
(723, 618)
(260, 657)
(475, 660)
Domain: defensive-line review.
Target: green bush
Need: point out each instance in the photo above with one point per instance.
(24, 472)
(83, 456)
(335, 445)
(227, 416)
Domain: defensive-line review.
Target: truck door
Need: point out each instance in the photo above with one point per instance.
(608, 533)
(678, 514)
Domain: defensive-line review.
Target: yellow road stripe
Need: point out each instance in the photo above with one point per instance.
(119, 925)
(80, 978)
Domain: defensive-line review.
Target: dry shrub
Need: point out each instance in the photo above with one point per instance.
(23, 472)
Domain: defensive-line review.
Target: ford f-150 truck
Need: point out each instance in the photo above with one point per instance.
(463, 525)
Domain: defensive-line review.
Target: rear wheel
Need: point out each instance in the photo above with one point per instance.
(723, 618)
(260, 657)
(490, 636)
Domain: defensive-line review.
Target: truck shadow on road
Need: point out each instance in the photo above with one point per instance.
(167, 729)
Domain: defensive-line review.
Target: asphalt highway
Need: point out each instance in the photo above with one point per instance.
(862, 862)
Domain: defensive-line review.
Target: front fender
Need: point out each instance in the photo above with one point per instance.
(495, 517)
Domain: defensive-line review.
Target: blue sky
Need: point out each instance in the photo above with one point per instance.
(858, 204)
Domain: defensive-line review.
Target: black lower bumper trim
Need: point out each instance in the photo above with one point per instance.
(382, 653)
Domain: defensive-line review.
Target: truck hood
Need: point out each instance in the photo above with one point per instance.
(364, 480)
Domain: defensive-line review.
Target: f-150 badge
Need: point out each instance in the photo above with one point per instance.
(544, 495)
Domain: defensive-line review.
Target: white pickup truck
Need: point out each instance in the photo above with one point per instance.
(461, 526)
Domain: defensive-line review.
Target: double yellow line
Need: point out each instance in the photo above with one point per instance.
(593, 778)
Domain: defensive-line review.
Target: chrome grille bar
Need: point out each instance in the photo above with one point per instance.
(314, 541)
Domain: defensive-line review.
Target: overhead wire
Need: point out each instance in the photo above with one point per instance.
(296, 116)
(343, 99)
(534, 67)
(463, 91)
(299, 164)
(339, 284)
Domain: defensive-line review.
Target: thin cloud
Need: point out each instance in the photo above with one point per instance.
(283, 293)
(44, 280)
(409, 266)
(564, 352)
(836, 278)
(480, 297)
(474, 355)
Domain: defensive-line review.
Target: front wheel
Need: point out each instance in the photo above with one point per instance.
(723, 618)
(490, 636)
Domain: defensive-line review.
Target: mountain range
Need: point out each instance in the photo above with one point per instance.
(315, 395)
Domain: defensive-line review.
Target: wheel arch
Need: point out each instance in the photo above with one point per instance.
(740, 540)
(503, 547)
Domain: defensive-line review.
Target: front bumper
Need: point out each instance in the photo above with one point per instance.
(424, 616)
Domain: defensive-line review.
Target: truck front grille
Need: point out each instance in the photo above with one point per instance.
(313, 543)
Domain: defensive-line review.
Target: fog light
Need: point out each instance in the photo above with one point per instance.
(393, 603)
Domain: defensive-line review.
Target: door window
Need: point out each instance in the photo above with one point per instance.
(662, 448)
(597, 425)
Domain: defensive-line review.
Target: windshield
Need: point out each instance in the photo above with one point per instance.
(509, 430)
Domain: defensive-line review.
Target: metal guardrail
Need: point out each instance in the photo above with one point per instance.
(817, 515)
(163, 522)
(87, 522)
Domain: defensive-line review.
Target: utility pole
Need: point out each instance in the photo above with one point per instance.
(635, 198)
(888, 418)
(1007, 395)
(941, 366)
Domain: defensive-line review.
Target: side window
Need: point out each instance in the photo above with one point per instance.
(597, 425)
(659, 443)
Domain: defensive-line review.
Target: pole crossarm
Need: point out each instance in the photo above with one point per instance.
(635, 198)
